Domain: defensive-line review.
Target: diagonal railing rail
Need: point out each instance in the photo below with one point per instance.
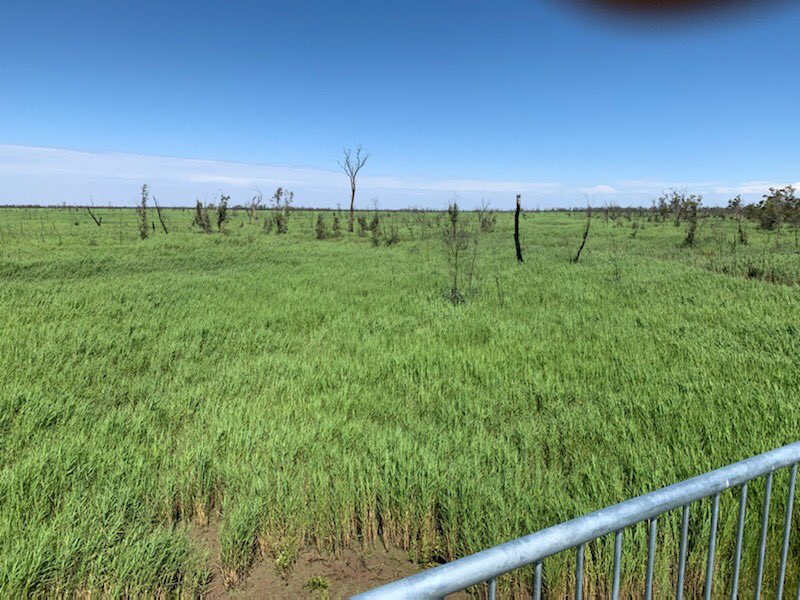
(486, 566)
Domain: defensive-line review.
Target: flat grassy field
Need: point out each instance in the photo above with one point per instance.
(324, 393)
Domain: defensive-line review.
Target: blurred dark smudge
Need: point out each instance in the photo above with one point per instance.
(674, 9)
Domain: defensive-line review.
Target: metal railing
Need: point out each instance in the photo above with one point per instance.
(486, 566)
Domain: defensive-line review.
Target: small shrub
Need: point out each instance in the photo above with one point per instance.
(488, 219)
(285, 559)
(321, 229)
(318, 584)
(735, 207)
(281, 201)
(456, 241)
(375, 230)
(690, 207)
(742, 233)
(141, 213)
(222, 212)
(362, 226)
(337, 225)
(281, 222)
(392, 234)
(255, 204)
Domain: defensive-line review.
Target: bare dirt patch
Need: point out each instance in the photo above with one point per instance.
(313, 574)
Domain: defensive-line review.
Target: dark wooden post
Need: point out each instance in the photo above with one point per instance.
(516, 231)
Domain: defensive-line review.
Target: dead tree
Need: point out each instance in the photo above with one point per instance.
(516, 231)
(351, 165)
(158, 212)
(255, 204)
(201, 218)
(585, 235)
(96, 220)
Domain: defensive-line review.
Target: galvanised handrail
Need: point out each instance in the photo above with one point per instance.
(487, 565)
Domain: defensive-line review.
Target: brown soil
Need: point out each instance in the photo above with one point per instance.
(345, 573)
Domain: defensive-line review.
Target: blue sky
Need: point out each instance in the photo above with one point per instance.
(476, 99)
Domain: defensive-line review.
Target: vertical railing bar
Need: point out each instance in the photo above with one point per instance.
(682, 553)
(537, 581)
(579, 573)
(737, 560)
(651, 557)
(762, 545)
(617, 560)
(712, 545)
(493, 588)
(787, 526)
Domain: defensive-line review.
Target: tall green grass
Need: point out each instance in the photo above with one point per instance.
(324, 392)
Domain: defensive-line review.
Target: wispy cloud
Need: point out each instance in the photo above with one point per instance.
(600, 189)
(752, 187)
(51, 176)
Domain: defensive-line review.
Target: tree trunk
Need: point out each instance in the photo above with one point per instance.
(585, 235)
(158, 212)
(516, 231)
(352, 202)
(96, 220)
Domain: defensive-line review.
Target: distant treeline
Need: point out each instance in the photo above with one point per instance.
(780, 205)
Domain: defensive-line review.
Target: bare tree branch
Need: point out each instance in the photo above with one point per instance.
(351, 165)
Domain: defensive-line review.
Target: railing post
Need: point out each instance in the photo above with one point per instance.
(651, 558)
(762, 546)
(737, 561)
(682, 553)
(787, 527)
(617, 561)
(712, 542)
